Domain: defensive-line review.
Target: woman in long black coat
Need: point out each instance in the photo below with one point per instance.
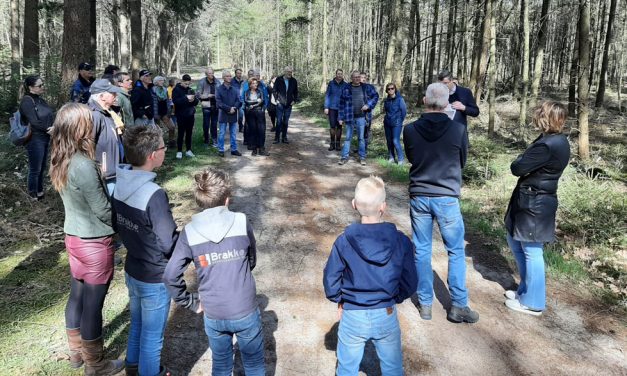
(530, 217)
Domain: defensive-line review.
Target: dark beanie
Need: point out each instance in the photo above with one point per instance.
(186, 77)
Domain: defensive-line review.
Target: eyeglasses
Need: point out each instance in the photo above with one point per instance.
(390, 88)
(40, 85)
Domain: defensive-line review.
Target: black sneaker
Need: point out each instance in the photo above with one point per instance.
(332, 147)
(457, 314)
(236, 153)
(425, 311)
(285, 141)
(220, 154)
(254, 153)
(276, 141)
(263, 152)
(342, 161)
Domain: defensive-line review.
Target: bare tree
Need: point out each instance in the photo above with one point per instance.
(537, 73)
(583, 87)
(492, 72)
(135, 8)
(30, 52)
(606, 49)
(524, 10)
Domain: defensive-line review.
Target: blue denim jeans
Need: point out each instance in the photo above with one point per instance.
(249, 339)
(233, 136)
(210, 124)
(37, 150)
(149, 306)
(530, 261)
(283, 114)
(393, 138)
(360, 127)
(357, 327)
(445, 210)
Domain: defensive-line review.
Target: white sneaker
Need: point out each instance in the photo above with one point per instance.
(514, 304)
(511, 294)
(189, 154)
(179, 155)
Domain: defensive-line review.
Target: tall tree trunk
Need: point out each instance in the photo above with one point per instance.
(123, 33)
(537, 74)
(485, 47)
(434, 29)
(15, 49)
(75, 48)
(393, 24)
(606, 51)
(30, 52)
(165, 37)
(414, 19)
(135, 8)
(93, 33)
(524, 9)
(325, 32)
(572, 82)
(583, 87)
(492, 72)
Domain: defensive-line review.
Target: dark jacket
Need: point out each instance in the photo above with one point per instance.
(464, 95)
(227, 97)
(262, 86)
(145, 224)
(370, 266)
(222, 246)
(106, 139)
(285, 96)
(142, 101)
(333, 93)
(80, 90)
(184, 108)
(395, 111)
(531, 211)
(36, 112)
(437, 148)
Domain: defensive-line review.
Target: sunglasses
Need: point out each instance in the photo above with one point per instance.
(390, 88)
(40, 85)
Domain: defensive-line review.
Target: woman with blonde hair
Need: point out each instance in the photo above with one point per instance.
(88, 236)
(530, 217)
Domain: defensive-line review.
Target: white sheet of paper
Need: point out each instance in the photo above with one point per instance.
(450, 111)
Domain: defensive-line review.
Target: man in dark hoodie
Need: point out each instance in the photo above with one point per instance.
(145, 224)
(436, 147)
(222, 246)
(370, 270)
(142, 100)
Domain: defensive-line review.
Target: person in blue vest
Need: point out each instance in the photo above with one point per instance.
(331, 108)
(460, 98)
(80, 89)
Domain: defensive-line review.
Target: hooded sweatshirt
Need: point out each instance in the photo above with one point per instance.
(145, 224)
(222, 246)
(436, 147)
(370, 266)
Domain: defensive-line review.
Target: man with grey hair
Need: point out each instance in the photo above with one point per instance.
(436, 147)
(228, 101)
(206, 94)
(286, 94)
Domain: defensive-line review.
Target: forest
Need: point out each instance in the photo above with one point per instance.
(512, 55)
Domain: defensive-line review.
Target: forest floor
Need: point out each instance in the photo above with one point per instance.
(298, 200)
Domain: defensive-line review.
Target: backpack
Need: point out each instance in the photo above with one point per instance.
(20, 134)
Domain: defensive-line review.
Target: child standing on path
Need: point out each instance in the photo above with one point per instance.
(370, 269)
(222, 246)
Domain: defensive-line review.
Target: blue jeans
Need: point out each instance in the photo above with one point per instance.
(449, 217)
(530, 261)
(283, 114)
(233, 136)
(249, 339)
(360, 125)
(357, 327)
(210, 124)
(149, 306)
(37, 150)
(393, 138)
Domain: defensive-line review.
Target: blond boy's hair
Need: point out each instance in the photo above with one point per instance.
(369, 195)
(212, 189)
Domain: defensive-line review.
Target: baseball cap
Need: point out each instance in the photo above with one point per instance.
(85, 66)
(103, 85)
(144, 72)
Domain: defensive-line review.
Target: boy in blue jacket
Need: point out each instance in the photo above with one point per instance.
(370, 269)
(145, 224)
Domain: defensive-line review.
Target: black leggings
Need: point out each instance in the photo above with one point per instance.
(186, 128)
(257, 128)
(84, 308)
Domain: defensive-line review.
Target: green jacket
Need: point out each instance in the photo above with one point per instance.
(126, 110)
(87, 208)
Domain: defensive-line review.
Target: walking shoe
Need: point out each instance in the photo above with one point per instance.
(331, 147)
(276, 141)
(362, 161)
(236, 153)
(400, 163)
(285, 141)
(391, 160)
(457, 314)
(189, 154)
(511, 294)
(179, 155)
(220, 154)
(263, 152)
(337, 146)
(514, 304)
(254, 153)
(342, 161)
(425, 311)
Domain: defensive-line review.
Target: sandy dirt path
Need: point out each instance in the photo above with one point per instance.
(298, 200)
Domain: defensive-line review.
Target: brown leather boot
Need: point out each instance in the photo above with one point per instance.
(75, 345)
(95, 364)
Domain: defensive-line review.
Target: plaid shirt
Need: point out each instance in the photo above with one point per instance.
(346, 102)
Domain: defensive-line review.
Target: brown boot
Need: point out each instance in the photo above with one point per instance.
(74, 343)
(95, 363)
(332, 143)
